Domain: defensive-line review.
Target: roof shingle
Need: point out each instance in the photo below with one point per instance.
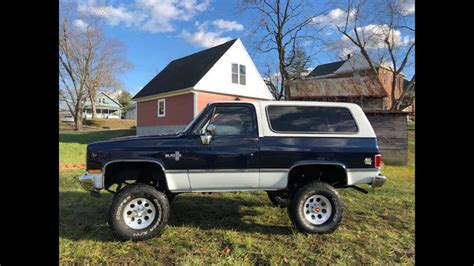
(326, 69)
(184, 72)
(364, 86)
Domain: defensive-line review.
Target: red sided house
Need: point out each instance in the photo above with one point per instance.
(186, 85)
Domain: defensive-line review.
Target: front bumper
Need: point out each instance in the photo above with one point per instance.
(378, 181)
(91, 182)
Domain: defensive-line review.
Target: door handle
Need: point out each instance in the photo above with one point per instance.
(250, 139)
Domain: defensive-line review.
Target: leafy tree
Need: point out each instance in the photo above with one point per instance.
(125, 100)
(299, 63)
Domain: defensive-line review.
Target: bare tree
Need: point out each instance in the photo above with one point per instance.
(386, 20)
(88, 62)
(108, 61)
(285, 25)
(73, 72)
(408, 95)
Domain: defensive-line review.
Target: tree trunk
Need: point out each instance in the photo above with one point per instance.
(78, 120)
(394, 101)
(93, 107)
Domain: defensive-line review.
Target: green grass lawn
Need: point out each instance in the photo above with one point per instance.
(72, 145)
(231, 228)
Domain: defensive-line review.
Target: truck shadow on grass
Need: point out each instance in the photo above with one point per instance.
(82, 217)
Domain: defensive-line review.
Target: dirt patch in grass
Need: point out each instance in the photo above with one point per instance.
(99, 124)
(111, 123)
(71, 166)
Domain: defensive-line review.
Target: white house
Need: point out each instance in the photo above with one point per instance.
(107, 107)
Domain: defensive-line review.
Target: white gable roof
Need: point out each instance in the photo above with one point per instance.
(219, 78)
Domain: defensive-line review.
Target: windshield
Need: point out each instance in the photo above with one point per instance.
(190, 123)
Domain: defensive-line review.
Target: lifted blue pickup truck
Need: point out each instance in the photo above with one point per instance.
(299, 152)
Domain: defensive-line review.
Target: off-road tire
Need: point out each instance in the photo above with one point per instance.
(126, 195)
(297, 205)
(279, 198)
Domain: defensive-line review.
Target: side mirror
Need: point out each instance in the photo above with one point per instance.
(211, 128)
(206, 139)
(210, 131)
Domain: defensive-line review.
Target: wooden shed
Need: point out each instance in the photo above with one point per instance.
(392, 135)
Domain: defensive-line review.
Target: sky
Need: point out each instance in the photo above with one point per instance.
(156, 32)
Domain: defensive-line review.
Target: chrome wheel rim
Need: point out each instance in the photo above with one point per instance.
(317, 209)
(139, 213)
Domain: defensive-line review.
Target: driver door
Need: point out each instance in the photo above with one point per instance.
(229, 161)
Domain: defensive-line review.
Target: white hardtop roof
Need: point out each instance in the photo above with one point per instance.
(364, 128)
(292, 103)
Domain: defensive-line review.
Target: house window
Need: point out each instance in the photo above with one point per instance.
(161, 108)
(238, 74)
(385, 77)
(242, 74)
(235, 73)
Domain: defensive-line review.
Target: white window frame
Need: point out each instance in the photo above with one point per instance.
(158, 107)
(238, 74)
(232, 73)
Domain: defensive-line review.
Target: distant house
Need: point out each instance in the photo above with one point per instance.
(356, 66)
(107, 107)
(132, 111)
(186, 85)
(65, 116)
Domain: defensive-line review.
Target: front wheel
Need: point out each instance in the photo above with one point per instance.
(139, 212)
(316, 208)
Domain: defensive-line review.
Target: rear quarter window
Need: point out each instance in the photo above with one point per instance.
(311, 119)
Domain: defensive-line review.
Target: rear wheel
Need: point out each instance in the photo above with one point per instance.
(139, 212)
(316, 208)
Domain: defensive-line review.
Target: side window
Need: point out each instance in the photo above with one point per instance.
(229, 121)
(236, 120)
(200, 127)
(311, 119)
